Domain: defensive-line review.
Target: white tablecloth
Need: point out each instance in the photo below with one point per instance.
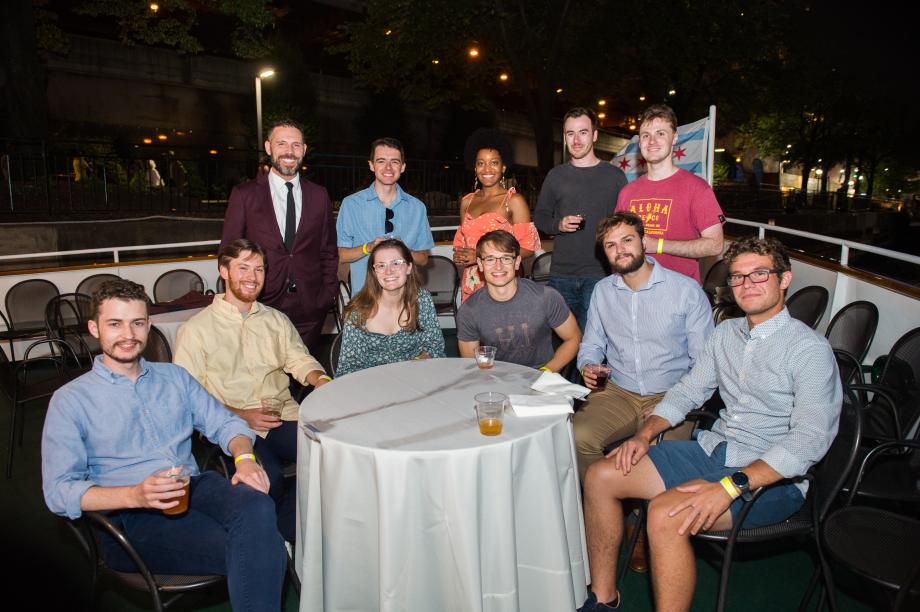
(170, 322)
(404, 505)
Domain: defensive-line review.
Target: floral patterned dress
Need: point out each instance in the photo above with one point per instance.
(473, 228)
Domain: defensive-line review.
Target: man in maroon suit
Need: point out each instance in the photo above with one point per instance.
(292, 221)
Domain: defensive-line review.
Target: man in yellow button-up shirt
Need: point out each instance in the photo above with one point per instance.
(239, 350)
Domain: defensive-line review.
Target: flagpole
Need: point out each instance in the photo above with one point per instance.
(710, 153)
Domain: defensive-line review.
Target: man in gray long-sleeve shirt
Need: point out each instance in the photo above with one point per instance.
(782, 396)
(575, 197)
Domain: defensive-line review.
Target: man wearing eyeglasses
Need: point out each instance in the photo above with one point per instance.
(648, 323)
(241, 352)
(382, 211)
(779, 381)
(515, 315)
(292, 219)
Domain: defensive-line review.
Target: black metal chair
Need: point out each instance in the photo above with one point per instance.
(157, 348)
(164, 589)
(715, 286)
(65, 319)
(176, 283)
(539, 272)
(439, 276)
(35, 378)
(89, 284)
(878, 544)
(335, 350)
(853, 328)
(826, 479)
(894, 409)
(808, 305)
(220, 286)
(25, 308)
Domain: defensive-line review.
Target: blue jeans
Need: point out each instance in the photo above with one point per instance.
(276, 449)
(228, 530)
(577, 295)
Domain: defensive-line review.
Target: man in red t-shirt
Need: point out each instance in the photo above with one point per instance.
(683, 221)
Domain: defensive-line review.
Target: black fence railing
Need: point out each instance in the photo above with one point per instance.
(75, 179)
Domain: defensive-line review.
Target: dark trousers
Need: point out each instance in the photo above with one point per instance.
(274, 451)
(577, 295)
(228, 530)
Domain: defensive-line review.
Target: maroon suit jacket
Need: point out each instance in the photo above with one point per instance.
(313, 262)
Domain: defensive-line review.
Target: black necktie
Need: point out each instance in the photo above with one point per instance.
(290, 223)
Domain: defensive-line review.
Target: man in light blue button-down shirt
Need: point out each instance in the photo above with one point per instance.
(110, 437)
(648, 323)
(382, 210)
(779, 381)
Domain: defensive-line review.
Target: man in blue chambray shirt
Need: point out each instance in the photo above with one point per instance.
(110, 435)
(382, 210)
(649, 323)
(779, 381)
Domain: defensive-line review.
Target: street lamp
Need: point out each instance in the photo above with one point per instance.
(264, 74)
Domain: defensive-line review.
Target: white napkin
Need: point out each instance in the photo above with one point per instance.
(540, 405)
(551, 382)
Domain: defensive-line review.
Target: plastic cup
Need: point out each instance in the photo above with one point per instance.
(602, 372)
(183, 474)
(271, 406)
(485, 357)
(490, 411)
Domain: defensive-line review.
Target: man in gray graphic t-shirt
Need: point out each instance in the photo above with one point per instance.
(515, 315)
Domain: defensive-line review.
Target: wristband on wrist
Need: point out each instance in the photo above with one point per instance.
(364, 248)
(660, 246)
(545, 369)
(242, 457)
(730, 487)
(325, 377)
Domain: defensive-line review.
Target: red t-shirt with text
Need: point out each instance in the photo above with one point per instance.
(679, 207)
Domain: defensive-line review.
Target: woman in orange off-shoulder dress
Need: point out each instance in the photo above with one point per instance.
(490, 207)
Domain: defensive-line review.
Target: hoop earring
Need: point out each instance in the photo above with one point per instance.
(475, 183)
(502, 182)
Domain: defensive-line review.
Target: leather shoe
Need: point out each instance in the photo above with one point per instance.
(638, 560)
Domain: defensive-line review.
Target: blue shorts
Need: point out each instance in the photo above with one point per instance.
(679, 461)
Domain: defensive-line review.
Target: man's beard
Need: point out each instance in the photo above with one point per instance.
(636, 263)
(276, 164)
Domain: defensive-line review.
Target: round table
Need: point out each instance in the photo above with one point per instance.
(404, 505)
(170, 322)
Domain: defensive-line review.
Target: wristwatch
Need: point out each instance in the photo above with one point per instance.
(740, 480)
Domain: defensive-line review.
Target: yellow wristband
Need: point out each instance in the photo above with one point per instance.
(730, 487)
(545, 369)
(364, 248)
(325, 377)
(239, 458)
(660, 246)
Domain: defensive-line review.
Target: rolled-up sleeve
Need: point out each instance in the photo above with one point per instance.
(815, 413)
(65, 473)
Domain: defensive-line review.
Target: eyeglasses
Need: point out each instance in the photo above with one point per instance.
(396, 264)
(757, 276)
(388, 222)
(490, 260)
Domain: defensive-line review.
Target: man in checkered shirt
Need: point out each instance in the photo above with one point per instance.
(782, 394)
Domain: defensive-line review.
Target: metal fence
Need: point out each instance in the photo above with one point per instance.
(85, 179)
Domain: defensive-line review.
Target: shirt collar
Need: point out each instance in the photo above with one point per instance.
(227, 309)
(658, 276)
(371, 194)
(106, 373)
(765, 329)
(278, 183)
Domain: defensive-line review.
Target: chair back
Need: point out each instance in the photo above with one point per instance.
(26, 302)
(66, 316)
(335, 349)
(439, 276)
(715, 286)
(176, 283)
(539, 272)
(808, 305)
(901, 375)
(157, 348)
(89, 284)
(853, 328)
(220, 286)
(836, 467)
